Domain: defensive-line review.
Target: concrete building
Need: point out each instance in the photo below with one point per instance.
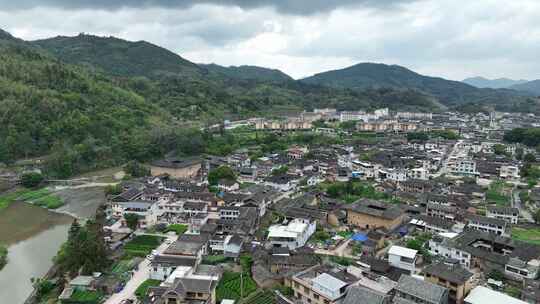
(403, 258)
(293, 235)
(452, 276)
(508, 214)
(321, 285)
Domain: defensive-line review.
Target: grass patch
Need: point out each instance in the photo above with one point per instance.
(8, 198)
(215, 259)
(142, 245)
(531, 235)
(41, 197)
(143, 288)
(230, 286)
(122, 266)
(177, 228)
(50, 202)
(89, 297)
(497, 194)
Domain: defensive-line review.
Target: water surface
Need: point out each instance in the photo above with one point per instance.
(33, 236)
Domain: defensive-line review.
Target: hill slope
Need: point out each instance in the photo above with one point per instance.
(246, 72)
(532, 87)
(366, 75)
(499, 83)
(119, 57)
(50, 108)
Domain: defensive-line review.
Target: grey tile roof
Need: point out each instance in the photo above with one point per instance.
(376, 208)
(452, 273)
(362, 295)
(426, 291)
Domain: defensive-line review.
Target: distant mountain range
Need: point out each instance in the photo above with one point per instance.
(499, 83)
(525, 86)
(532, 87)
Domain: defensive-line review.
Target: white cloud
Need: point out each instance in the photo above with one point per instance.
(448, 38)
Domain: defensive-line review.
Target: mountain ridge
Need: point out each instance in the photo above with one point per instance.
(498, 83)
(366, 75)
(532, 87)
(118, 57)
(249, 72)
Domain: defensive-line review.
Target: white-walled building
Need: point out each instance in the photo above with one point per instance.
(403, 258)
(508, 214)
(440, 245)
(293, 235)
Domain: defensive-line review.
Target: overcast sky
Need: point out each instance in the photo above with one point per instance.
(448, 38)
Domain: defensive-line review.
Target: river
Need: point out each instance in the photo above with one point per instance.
(33, 236)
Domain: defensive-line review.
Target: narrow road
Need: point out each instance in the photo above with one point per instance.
(141, 275)
(516, 203)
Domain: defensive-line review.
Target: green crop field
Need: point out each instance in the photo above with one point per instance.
(142, 245)
(230, 285)
(529, 235)
(261, 297)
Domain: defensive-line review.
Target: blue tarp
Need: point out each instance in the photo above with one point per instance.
(359, 237)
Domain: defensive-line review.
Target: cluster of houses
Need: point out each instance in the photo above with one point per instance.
(436, 187)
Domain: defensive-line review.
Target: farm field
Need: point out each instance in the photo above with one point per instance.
(142, 245)
(528, 235)
(230, 286)
(261, 297)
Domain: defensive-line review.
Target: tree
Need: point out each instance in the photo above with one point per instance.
(85, 250)
(536, 216)
(132, 221)
(223, 172)
(499, 149)
(136, 169)
(113, 189)
(280, 171)
(31, 179)
(519, 153)
(417, 136)
(348, 125)
(529, 158)
(495, 275)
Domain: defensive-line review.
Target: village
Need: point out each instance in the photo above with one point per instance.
(383, 207)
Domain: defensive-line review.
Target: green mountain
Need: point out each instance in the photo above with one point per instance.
(372, 75)
(68, 113)
(79, 115)
(119, 57)
(499, 83)
(247, 72)
(532, 87)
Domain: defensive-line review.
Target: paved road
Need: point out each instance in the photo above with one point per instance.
(138, 278)
(516, 202)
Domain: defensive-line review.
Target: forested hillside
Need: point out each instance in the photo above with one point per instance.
(372, 75)
(81, 118)
(85, 102)
(532, 87)
(119, 57)
(248, 72)
(48, 107)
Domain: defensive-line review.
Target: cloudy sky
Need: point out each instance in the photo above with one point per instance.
(449, 38)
